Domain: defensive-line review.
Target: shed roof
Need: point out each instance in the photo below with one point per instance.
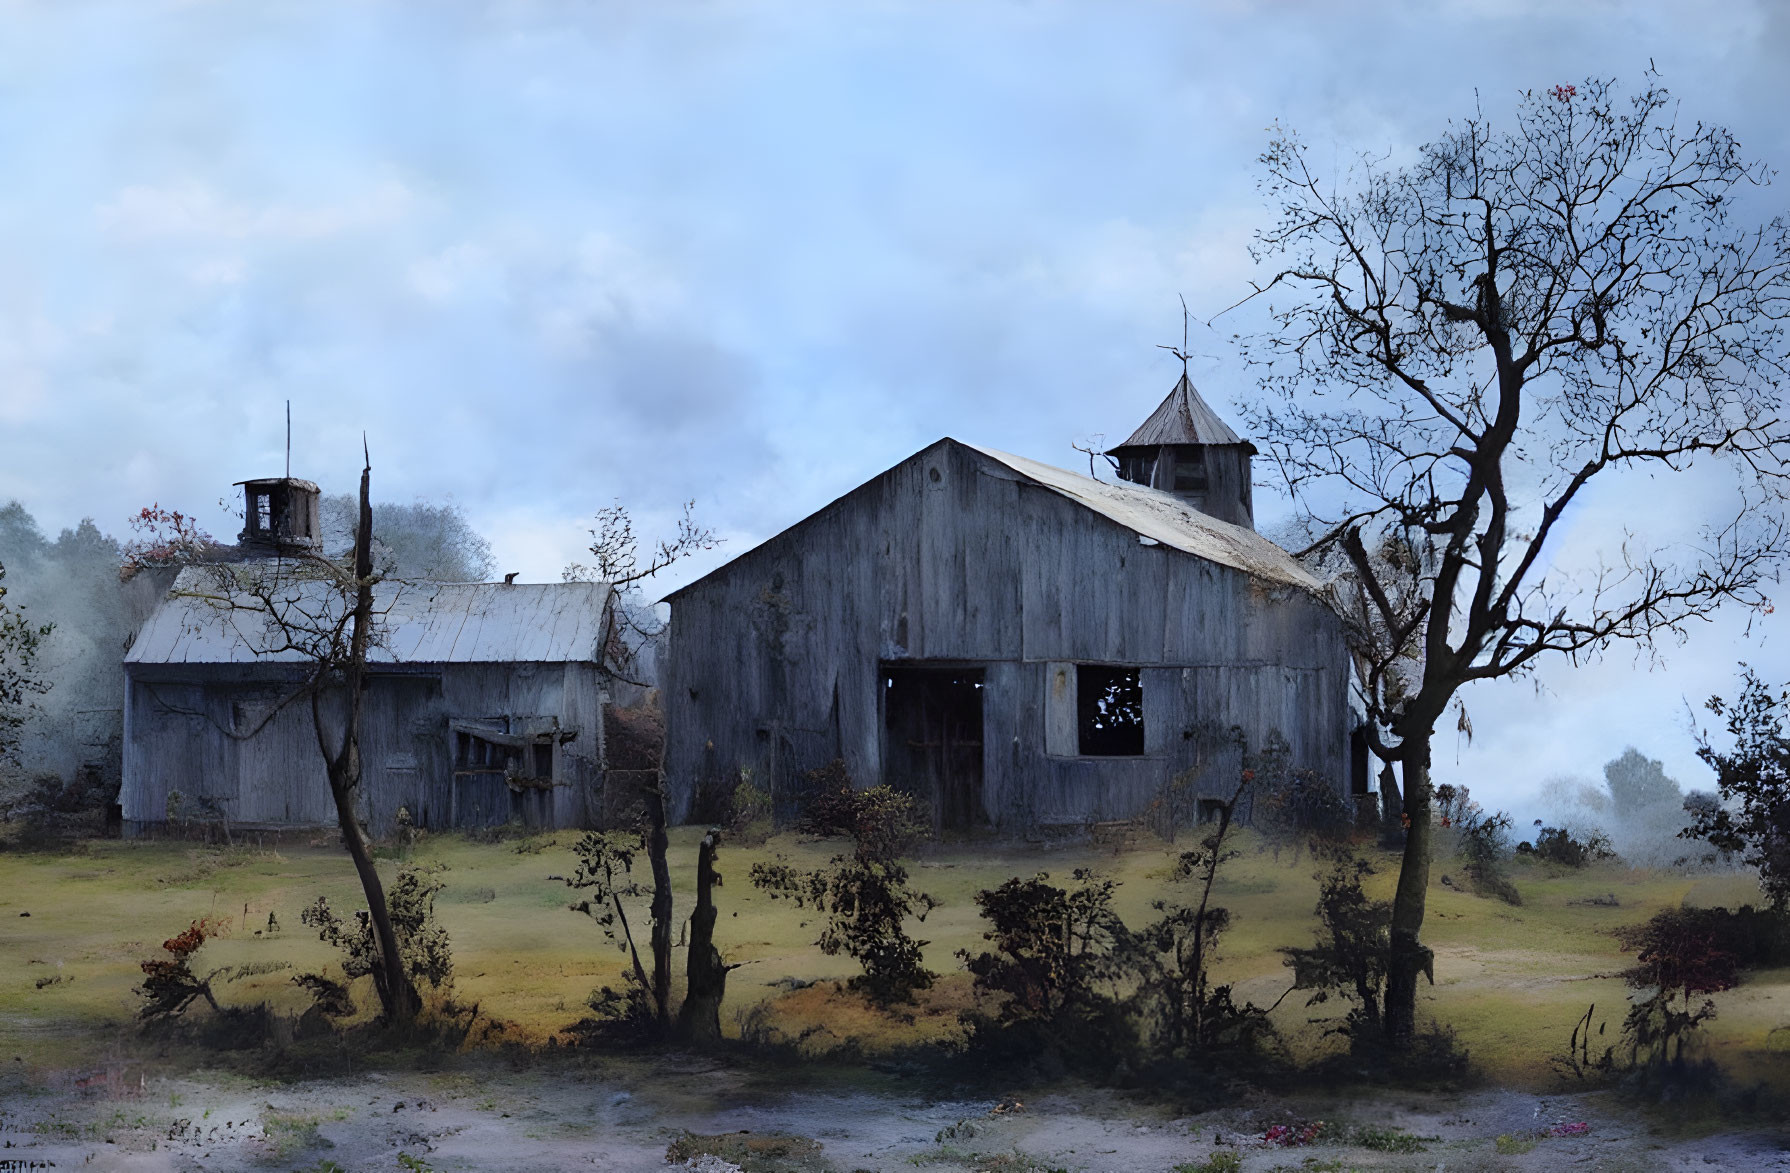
(423, 623)
(1165, 518)
(1183, 418)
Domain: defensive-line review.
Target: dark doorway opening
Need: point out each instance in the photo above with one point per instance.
(932, 740)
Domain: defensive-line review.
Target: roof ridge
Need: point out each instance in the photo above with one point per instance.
(1183, 417)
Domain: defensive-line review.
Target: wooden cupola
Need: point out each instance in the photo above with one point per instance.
(1186, 450)
(280, 516)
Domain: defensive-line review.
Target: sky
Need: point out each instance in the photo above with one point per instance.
(548, 256)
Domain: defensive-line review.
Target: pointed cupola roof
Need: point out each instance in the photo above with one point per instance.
(1183, 418)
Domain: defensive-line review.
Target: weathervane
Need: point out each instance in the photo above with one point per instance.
(1181, 353)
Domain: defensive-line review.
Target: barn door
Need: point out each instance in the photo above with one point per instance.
(932, 740)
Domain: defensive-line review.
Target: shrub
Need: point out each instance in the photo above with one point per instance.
(622, 1017)
(750, 820)
(1215, 1163)
(1177, 952)
(170, 985)
(1060, 960)
(1295, 807)
(1482, 840)
(1557, 845)
(735, 803)
(1680, 953)
(605, 870)
(423, 944)
(1484, 846)
(1322, 811)
(864, 894)
(1349, 957)
(1752, 818)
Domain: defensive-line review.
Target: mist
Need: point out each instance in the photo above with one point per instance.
(1638, 807)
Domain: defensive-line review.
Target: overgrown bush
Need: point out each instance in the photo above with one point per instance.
(1292, 808)
(605, 873)
(170, 984)
(1059, 967)
(1350, 954)
(1558, 845)
(737, 804)
(1680, 953)
(1481, 840)
(623, 1017)
(423, 944)
(864, 894)
(1752, 817)
(1193, 1016)
(53, 805)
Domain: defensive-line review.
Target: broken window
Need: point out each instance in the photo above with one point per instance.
(1137, 469)
(512, 756)
(1190, 469)
(263, 513)
(1109, 703)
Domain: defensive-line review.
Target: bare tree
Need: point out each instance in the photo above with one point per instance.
(1461, 347)
(627, 625)
(322, 614)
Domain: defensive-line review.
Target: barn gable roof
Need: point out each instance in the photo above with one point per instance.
(424, 623)
(1150, 513)
(1183, 418)
(1165, 518)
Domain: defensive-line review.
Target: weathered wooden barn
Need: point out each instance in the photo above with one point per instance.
(1019, 645)
(485, 701)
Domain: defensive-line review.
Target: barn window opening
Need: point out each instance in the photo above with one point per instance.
(1190, 469)
(472, 752)
(1137, 469)
(1109, 704)
(263, 512)
(513, 756)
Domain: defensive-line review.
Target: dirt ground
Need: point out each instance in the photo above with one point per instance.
(80, 1088)
(625, 1116)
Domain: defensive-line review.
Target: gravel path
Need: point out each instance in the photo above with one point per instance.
(625, 1119)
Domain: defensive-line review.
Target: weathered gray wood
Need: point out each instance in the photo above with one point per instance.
(952, 556)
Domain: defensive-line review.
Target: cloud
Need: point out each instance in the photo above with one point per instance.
(194, 211)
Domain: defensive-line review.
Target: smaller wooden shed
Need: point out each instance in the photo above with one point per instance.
(485, 703)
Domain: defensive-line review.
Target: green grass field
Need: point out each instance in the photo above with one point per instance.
(1510, 980)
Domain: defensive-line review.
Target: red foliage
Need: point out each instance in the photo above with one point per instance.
(186, 943)
(1680, 949)
(1564, 93)
(167, 537)
(1289, 1135)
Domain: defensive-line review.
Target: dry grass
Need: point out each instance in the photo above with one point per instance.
(1510, 980)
